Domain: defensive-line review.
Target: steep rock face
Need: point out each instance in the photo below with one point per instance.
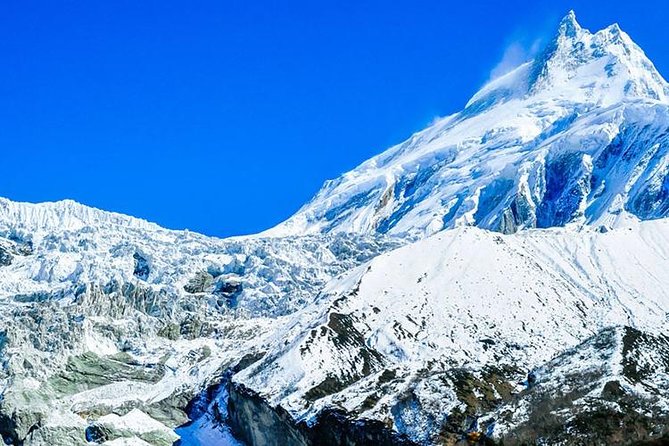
(580, 134)
(253, 420)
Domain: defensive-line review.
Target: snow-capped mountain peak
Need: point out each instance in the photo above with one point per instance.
(601, 69)
(606, 66)
(576, 135)
(114, 330)
(569, 27)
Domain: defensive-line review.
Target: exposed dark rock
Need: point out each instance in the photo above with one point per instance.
(248, 360)
(169, 411)
(97, 434)
(387, 376)
(663, 441)
(341, 332)
(256, 423)
(229, 289)
(15, 428)
(8, 430)
(192, 327)
(563, 410)
(634, 368)
(25, 248)
(202, 282)
(23, 243)
(89, 370)
(613, 391)
(170, 331)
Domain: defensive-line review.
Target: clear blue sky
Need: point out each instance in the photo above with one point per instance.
(225, 116)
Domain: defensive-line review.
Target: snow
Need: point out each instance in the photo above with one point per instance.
(206, 430)
(579, 94)
(535, 294)
(71, 288)
(423, 260)
(135, 421)
(126, 442)
(277, 274)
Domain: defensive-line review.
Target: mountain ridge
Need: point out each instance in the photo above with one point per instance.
(491, 279)
(65, 214)
(467, 299)
(434, 179)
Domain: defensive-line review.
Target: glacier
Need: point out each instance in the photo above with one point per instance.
(499, 277)
(101, 311)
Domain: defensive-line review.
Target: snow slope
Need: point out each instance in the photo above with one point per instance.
(110, 325)
(577, 135)
(101, 313)
(464, 299)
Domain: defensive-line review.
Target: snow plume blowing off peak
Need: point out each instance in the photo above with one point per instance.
(601, 68)
(117, 331)
(577, 136)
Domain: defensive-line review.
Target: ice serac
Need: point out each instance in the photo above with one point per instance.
(339, 326)
(578, 135)
(110, 325)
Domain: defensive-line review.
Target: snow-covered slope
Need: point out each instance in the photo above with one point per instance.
(577, 135)
(101, 313)
(433, 340)
(468, 300)
(337, 327)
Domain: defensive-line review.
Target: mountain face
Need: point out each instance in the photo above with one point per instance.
(499, 278)
(103, 314)
(444, 332)
(576, 136)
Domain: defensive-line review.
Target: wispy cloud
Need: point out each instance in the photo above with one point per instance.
(515, 54)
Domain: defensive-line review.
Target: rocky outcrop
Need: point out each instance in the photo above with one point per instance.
(133, 425)
(602, 392)
(200, 283)
(577, 398)
(257, 423)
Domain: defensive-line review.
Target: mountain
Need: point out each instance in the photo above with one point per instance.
(499, 278)
(576, 136)
(79, 245)
(104, 314)
(443, 332)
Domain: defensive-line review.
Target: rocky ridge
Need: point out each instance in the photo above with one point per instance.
(385, 311)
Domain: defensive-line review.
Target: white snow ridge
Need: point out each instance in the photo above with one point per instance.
(498, 278)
